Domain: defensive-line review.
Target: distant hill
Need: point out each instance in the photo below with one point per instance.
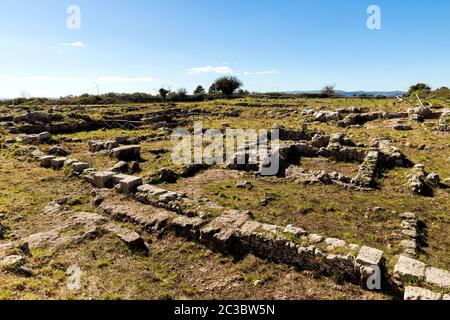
(356, 93)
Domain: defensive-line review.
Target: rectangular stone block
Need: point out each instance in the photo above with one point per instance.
(129, 185)
(103, 179)
(417, 293)
(437, 277)
(126, 153)
(58, 163)
(79, 167)
(119, 177)
(409, 269)
(370, 257)
(70, 162)
(46, 161)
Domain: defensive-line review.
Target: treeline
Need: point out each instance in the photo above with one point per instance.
(224, 87)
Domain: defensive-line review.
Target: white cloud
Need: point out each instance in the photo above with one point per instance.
(120, 78)
(210, 69)
(77, 44)
(261, 73)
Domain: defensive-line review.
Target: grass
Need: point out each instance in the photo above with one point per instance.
(111, 271)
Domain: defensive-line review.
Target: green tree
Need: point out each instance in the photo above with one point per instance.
(163, 94)
(329, 91)
(419, 87)
(227, 85)
(212, 89)
(199, 91)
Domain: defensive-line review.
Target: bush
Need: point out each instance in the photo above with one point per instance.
(227, 85)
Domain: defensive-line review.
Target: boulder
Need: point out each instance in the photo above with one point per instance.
(59, 151)
(120, 167)
(167, 175)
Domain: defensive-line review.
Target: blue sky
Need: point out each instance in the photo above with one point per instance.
(137, 45)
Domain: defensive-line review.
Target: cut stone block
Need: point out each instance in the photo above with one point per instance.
(294, 230)
(416, 293)
(315, 238)
(409, 269)
(129, 185)
(334, 243)
(119, 177)
(437, 277)
(125, 153)
(408, 215)
(151, 190)
(70, 162)
(130, 237)
(370, 257)
(12, 261)
(446, 297)
(168, 197)
(44, 136)
(46, 161)
(103, 179)
(79, 167)
(58, 163)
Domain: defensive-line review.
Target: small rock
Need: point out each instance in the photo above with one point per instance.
(135, 167)
(315, 238)
(25, 271)
(294, 230)
(408, 215)
(402, 127)
(334, 243)
(167, 175)
(74, 277)
(58, 151)
(416, 293)
(242, 184)
(15, 236)
(120, 167)
(11, 262)
(433, 178)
